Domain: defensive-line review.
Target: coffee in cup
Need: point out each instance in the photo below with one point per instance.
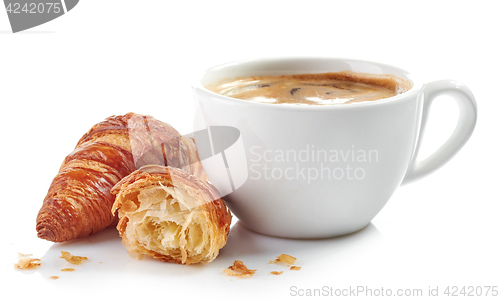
(312, 89)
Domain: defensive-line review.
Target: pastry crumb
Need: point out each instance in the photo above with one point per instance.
(295, 268)
(285, 259)
(28, 263)
(239, 269)
(276, 272)
(75, 260)
(19, 255)
(68, 270)
(54, 277)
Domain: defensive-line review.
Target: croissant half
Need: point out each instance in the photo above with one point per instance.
(171, 216)
(79, 201)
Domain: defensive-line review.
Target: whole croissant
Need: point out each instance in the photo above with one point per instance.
(79, 201)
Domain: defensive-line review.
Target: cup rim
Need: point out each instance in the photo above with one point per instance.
(197, 86)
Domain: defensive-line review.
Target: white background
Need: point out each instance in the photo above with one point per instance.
(113, 57)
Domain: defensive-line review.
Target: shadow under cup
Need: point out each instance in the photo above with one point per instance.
(308, 171)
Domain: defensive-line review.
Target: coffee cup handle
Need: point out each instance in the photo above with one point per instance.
(465, 126)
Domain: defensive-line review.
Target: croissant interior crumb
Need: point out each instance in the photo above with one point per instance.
(28, 263)
(20, 255)
(166, 225)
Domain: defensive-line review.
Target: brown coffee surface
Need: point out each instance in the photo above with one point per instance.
(313, 89)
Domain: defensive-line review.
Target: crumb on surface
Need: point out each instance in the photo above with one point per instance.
(68, 270)
(75, 260)
(276, 272)
(285, 259)
(28, 263)
(54, 277)
(239, 269)
(19, 255)
(296, 268)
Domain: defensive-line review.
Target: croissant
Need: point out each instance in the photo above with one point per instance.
(171, 216)
(79, 201)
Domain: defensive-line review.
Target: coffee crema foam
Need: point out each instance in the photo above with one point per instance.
(313, 89)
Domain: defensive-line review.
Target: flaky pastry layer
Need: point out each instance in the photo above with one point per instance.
(171, 216)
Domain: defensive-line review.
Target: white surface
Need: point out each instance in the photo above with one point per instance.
(112, 57)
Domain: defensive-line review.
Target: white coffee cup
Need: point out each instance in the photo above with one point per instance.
(312, 171)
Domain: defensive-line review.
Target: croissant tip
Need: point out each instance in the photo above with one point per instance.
(46, 234)
(47, 231)
(48, 228)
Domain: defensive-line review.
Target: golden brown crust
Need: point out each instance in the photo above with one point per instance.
(195, 203)
(79, 201)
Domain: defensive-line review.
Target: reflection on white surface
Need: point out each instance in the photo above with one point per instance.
(245, 243)
(109, 263)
